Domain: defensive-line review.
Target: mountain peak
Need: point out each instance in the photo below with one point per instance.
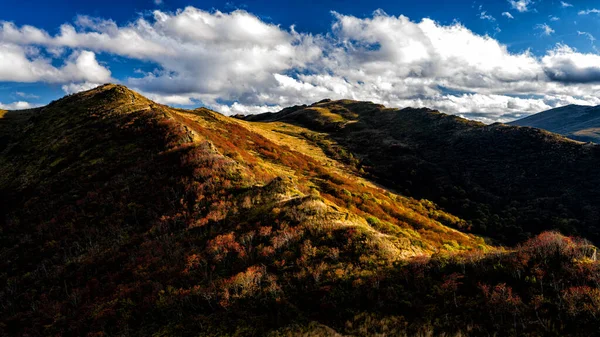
(107, 98)
(103, 89)
(113, 91)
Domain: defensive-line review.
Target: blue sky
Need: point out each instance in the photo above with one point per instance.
(487, 60)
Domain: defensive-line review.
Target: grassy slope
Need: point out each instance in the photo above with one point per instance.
(121, 215)
(507, 182)
(125, 217)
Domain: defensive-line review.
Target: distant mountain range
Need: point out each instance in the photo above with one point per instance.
(579, 122)
(120, 216)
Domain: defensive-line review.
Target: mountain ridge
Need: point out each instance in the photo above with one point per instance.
(74, 169)
(121, 216)
(447, 159)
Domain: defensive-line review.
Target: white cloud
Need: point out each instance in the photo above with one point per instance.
(24, 64)
(236, 63)
(589, 11)
(105, 36)
(491, 108)
(520, 5)
(546, 30)
(237, 108)
(19, 105)
(197, 51)
(567, 65)
(588, 36)
(485, 16)
(565, 4)
(56, 52)
(553, 18)
(73, 88)
(508, 15)
(170, 99)
(158, 2)
(83, 66)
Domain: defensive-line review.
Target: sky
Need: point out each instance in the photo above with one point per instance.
(493, 61)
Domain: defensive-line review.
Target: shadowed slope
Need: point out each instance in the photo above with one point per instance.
(508, 182)
(11, 121)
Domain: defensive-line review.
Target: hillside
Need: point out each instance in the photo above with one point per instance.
(8, 120)
(108, 187)
(121, 216)
(579, 122)
(507, 182)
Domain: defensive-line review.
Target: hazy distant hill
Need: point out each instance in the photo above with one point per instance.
(577, 122)
(124, 217)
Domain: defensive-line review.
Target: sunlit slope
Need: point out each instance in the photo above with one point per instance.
(507, 182)
(123, 214)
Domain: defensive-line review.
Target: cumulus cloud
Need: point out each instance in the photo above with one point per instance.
(553, 18)
(72, 88)
(566, 65)
(19, 105)
(452, 56)
(83, 66)
(565, 4)
(25, 64)
(520, 5)
(508, 15)
(236, 63)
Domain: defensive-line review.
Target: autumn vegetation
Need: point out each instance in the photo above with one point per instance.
(507, 182)
(124, 217)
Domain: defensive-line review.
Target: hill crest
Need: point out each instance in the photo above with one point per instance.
(123, 216)
(456, 162)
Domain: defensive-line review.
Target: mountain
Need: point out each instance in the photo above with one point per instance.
(579, 122)
(507, 182)
(121, 216)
